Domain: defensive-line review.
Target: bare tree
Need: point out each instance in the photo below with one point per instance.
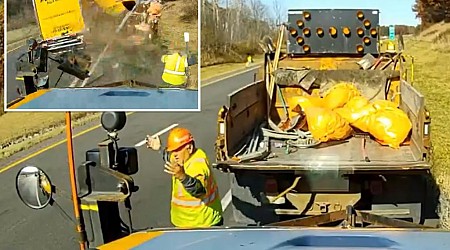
(231, 29)
(277, 9)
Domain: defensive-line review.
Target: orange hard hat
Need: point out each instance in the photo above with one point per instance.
(177, 138)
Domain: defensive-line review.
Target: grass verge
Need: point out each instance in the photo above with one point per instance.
(431, 78)
(20, 131)
(22, 33)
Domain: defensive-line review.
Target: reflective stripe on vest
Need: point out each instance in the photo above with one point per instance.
(211, 195)
(195, 203)
(177, 66)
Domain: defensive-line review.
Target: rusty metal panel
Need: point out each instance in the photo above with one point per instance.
(320, 62)
(325, 19)
(313, 221)
(247, 108)
(412, 98)
(413, 103)
(370, 83)
(317, 203)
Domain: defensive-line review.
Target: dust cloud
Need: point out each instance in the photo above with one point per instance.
(131, 55)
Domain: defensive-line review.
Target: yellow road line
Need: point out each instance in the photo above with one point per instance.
(49, 147)
(45, 149)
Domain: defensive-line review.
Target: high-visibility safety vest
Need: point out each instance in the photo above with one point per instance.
(189, 211)
(174, 69)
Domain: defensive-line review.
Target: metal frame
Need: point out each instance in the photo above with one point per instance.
(349, 218)
(64, 44)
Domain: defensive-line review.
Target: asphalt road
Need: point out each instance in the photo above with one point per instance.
(24, 228)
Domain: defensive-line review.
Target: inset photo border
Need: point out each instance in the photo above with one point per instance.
(72, 55)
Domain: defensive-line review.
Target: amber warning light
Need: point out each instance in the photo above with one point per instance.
(359, 48)
(293, 31)
(360, 15)
(333, 31)
(319, 31)
(346, 31)
(306, 48)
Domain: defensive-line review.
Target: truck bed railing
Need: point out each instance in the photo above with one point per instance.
(349, 218)
(64, 44)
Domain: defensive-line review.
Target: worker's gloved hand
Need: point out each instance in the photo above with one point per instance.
(176, 170)
(153, 142)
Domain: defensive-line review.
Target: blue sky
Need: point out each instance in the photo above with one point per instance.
(391, 11)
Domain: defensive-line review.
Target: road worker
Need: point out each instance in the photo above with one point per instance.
(195, 196)
(249, 60)
(154, 12)
(175, 69)
(155, 8)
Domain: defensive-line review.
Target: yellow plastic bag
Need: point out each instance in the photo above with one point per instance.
(390, 126)
(326, 125)
(357, 112)
(357, 103)
(290, 91)
(339, 95)
(304, 102)
(381, 104)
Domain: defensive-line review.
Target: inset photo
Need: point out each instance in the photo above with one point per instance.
(97, 55)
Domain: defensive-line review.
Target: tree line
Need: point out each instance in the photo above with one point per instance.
(400, 29)
(432, 11)
(231, 29)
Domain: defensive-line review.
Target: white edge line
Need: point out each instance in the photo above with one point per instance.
(157, 134)
(5, 55)
(199, 56)
(226, 200)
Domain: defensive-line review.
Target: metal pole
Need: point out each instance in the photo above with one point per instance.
(73, 183)
(186, 40)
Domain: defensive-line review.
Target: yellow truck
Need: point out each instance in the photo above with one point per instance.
(297, 149)
(61, 22)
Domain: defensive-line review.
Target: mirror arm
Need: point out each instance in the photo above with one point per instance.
(128, 207)
(116, 153)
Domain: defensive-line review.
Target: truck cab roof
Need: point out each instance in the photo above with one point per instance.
(283, 238)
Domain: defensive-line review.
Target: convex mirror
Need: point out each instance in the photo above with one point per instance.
(34, 187)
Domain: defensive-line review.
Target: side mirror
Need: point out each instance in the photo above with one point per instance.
(113, 121)
(34, 187)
